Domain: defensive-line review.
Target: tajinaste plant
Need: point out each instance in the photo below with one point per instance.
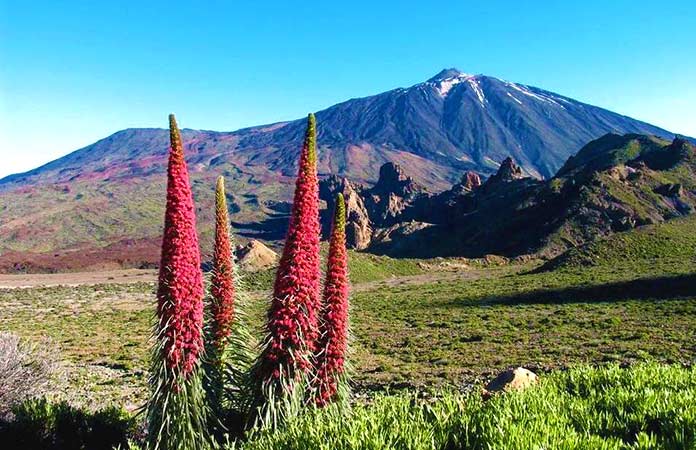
(229, 343)
(285, 362)
(329, 383)
(176, 411)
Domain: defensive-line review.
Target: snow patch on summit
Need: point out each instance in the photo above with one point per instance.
(514, 98)
(444, 86)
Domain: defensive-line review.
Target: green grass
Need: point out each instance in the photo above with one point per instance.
(363, 267)
(646, 407)
(456, 330)
(666, 247)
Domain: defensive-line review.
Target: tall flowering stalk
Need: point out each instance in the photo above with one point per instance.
(176, 411)
(221, 304)
(229, 341)
(330, 382)
(222, 290)
(286, 358)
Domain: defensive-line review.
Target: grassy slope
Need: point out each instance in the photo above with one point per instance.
(670, 244)
(612, 198)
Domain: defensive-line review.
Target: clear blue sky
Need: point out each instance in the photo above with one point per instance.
(74, 72)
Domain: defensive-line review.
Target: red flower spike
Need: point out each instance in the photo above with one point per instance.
(292, 319)
(333, 323)
(180, 292)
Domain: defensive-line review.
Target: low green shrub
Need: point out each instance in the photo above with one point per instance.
(39, 424)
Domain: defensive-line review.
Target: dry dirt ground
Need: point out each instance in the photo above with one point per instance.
(77, 278)
(126, 276)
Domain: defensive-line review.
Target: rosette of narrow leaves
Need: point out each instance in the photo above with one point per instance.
(176, 411)
(229, 353)
(286, 358)
(329, 382)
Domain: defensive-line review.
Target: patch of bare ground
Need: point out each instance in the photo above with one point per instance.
(77, 278)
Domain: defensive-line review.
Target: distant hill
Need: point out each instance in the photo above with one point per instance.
(107, 198)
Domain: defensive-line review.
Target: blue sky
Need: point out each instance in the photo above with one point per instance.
(74, 72)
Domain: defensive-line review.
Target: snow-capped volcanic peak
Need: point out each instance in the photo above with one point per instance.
(444, 86)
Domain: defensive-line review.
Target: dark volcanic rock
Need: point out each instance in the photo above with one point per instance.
(395, 236)
(393, 193)
(393, 180)
(670, 190)
(507, 171)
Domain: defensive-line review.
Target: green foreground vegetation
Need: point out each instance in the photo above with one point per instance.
(649, 406)
(447, 325)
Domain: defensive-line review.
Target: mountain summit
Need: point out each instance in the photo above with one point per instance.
(445, 74)
(108, 195)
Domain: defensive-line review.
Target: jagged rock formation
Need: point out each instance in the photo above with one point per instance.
(371, 211)
(391, 195)
(358, 225)
(470, 181)
(508, 171)
(613, 184)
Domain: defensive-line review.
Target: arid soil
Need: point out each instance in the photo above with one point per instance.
(77, 278)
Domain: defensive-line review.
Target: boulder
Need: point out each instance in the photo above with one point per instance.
(255, 256)
(511, 380)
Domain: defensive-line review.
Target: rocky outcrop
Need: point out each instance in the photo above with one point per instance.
(398, 231)
(670, 190)
(255, 256)
(393, 180)
(613, 184)
(470, 181)
(358, 224)
(508, 171)
(391, 195)
(370, 209)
